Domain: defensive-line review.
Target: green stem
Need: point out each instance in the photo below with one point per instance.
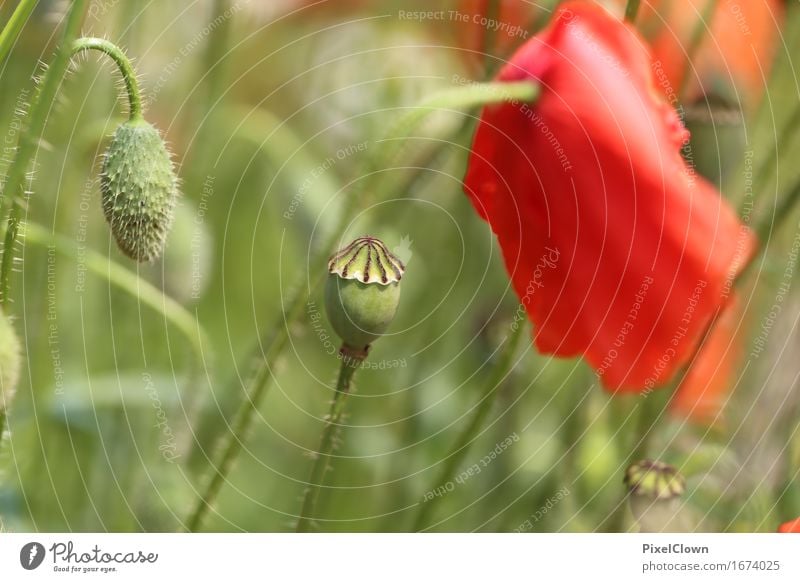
(489, 35)
(125, 68)
(645, 416)
(784, 210)
(574, 431)
(646, 419)
(29, 141)
(788, 131)
(322, 459)
(129, 282)
(13, 27)
(631, 10)
(255, 388)
(465, 97)
(213, 64)
(457, 98)
(695, 40)
(473, 428)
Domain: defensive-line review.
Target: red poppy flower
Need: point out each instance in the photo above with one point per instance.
(790, 526)
(617, 250)
(702, 393)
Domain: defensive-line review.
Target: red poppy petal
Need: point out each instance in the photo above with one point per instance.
(646, 250)
(790, 526)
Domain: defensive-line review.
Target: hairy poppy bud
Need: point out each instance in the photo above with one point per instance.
(655, 496)
(139, 190)
(9, 362)
(363, 291)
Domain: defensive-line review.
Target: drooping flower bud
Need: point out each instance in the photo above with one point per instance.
(655, 496)
(363, 291)
(139, 190)
(9, 362)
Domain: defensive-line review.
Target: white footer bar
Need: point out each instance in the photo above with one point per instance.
(401, 557)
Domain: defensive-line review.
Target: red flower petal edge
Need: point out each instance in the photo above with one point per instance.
(704, 390)
(617, 249)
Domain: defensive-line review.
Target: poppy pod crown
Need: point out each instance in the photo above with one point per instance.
(648, 249)
(363, 291)
(367, 260)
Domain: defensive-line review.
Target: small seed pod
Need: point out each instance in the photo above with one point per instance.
(9, 362)
(363, 291)
(139, 190)
(718, 137)
(655, 496)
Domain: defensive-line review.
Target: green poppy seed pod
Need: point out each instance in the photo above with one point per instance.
(655, 497)
(718, 136)
(363, 291)
(10, 361)
(655, 480)
(139, 190)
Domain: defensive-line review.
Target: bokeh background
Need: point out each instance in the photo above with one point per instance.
(274, 112)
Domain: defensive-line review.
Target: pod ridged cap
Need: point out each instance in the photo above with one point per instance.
(367, 260)
(139, 190)
(655, 480)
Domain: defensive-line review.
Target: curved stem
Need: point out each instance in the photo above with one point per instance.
(129, 282)
(464, 97)
(125, 68)
(472, 430)
(322, 460)
(53, 77)
(13, 27)
(29, 141)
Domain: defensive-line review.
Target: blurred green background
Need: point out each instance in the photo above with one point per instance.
(273, 111)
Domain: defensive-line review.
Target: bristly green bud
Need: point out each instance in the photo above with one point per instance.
(655, 480)
(139, 190)
(363, 291)
(10, 361)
